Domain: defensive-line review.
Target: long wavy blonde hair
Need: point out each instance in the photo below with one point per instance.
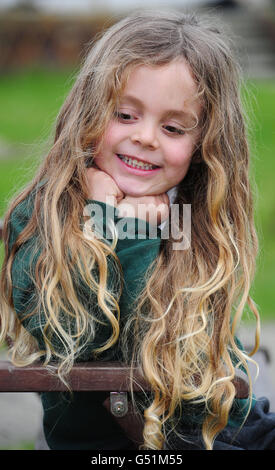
(185, 319)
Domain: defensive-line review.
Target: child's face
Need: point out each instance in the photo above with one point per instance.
(145, 148)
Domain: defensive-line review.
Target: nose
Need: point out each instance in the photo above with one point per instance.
(145, 134)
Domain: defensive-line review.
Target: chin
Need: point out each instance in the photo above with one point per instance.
(133, 193)
(130, 190)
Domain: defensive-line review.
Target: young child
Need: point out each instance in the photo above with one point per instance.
(154, 121)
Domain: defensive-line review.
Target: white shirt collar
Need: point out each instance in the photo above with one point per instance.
(172, 194)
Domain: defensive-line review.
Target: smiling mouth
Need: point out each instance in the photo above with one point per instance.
(132, 162)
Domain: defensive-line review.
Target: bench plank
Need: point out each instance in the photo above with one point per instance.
(84, 376)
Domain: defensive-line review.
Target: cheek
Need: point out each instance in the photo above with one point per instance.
(179, 157)
(112, 136)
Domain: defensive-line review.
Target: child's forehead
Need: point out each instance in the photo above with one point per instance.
(169, 84)
(177, 68)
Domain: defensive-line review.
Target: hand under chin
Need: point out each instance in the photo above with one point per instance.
(154, 209)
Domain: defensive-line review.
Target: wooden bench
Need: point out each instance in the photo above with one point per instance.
(113, 377)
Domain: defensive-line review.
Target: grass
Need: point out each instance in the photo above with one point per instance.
(30, 102)
(20, 446)
(263, 145)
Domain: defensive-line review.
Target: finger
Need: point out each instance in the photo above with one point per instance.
(120, 196)
(165, 198)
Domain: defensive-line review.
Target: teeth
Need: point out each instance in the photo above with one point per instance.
(136, 164)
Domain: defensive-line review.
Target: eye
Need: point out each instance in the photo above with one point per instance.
(124, 116)
(174, 130)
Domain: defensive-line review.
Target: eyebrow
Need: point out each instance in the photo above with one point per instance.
(169, 113)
